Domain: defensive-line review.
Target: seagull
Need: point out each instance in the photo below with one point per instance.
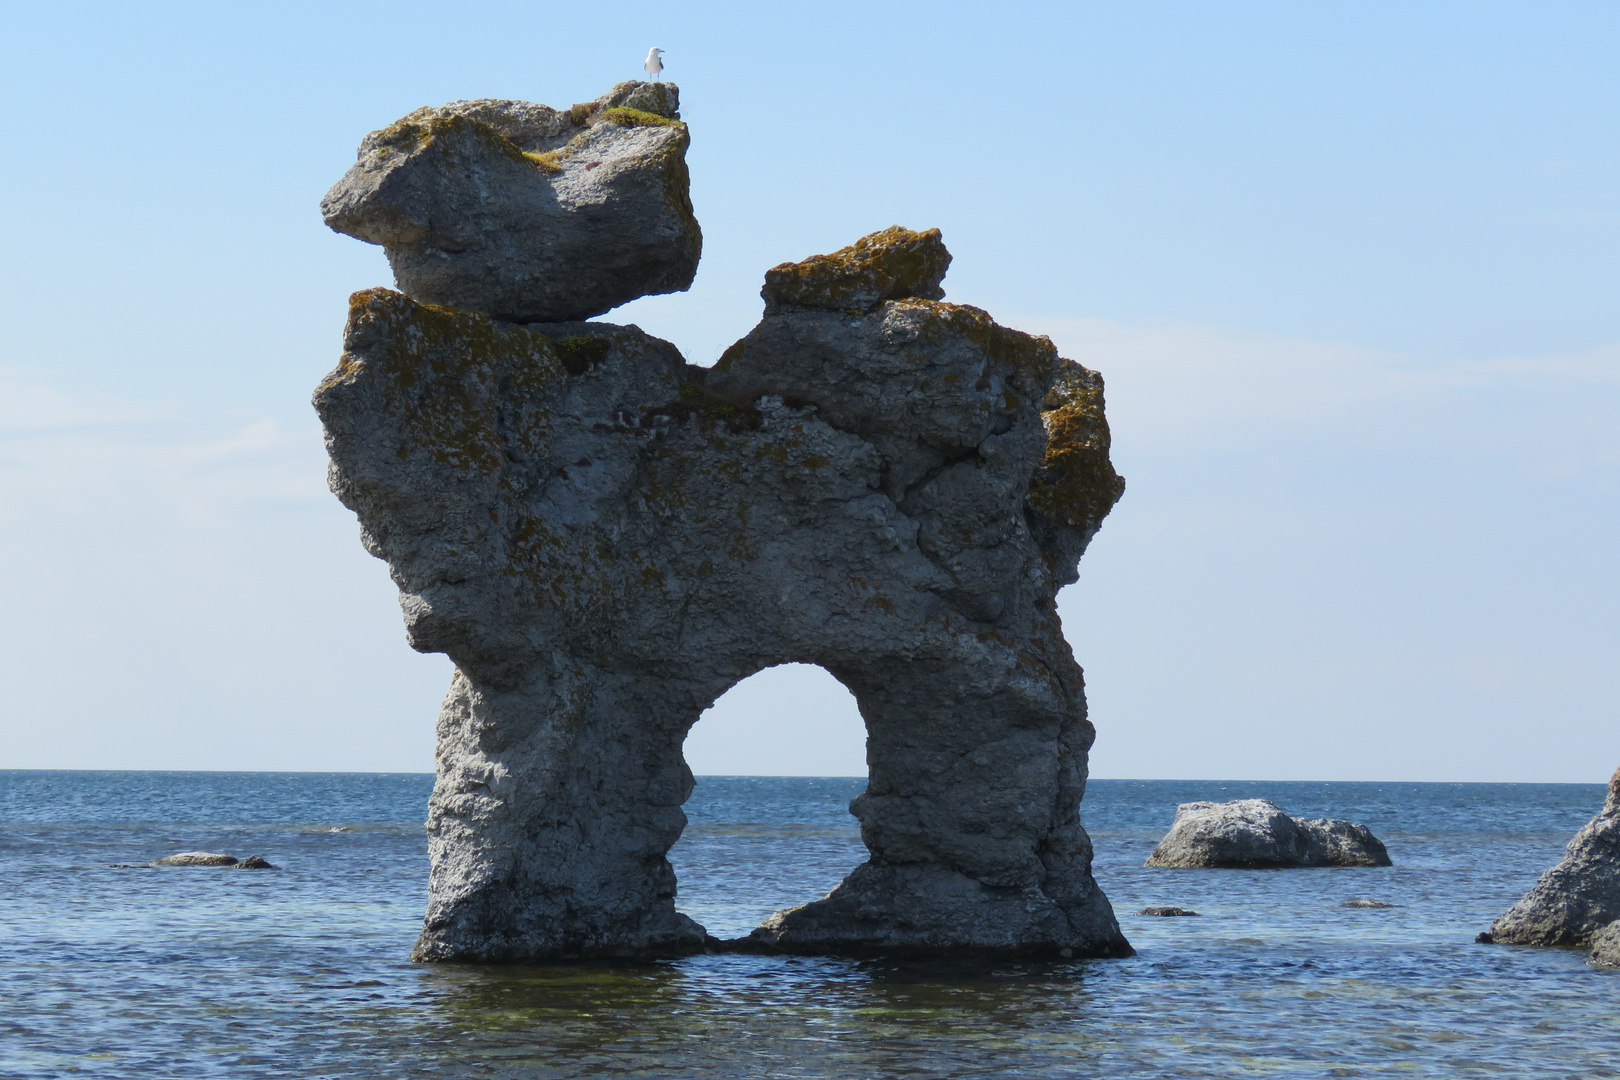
(655, 62)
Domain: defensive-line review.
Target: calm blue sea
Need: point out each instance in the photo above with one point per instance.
(301, 973)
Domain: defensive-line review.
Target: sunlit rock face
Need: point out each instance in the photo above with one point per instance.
(526, 212)
(1576, 901)
(1249, 834)
(605, 539)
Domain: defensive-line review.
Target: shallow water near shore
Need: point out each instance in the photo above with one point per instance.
(300, 972)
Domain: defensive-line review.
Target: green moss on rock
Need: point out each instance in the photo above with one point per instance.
(1075, 483)
(637, 118)
(894, 264)
(580, 354)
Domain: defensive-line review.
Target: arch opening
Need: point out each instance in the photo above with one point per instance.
(776, 760)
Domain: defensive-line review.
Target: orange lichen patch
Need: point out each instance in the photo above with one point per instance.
(1075, 483)
(889, 265)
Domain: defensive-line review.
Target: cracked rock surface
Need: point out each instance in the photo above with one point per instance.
(525, 212)
(605, 539)
(1578, 899)
(1257, 834)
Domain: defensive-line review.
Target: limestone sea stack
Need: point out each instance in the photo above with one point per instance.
(529, 213)
(1576, 900)
(604, 539)
(1257, 834)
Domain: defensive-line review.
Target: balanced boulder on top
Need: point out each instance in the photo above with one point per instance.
(1257, 834)
(528, 213)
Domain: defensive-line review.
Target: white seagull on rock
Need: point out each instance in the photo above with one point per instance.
(655, 62)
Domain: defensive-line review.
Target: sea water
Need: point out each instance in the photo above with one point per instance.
(300, 972)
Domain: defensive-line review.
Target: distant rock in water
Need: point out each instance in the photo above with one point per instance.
(1580, 897)
(1167, 912)
(528, 213)
(256, 862)
(195, 858)
(1606, 946)
(1366, 904)
(1257, 834)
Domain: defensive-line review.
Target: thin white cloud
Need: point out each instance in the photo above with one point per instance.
(32, 406)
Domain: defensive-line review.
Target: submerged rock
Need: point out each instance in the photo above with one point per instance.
(1167, 912)
(1257, 834)
(605, 539)
(195, 858)
(256, 862)
(525, 212)
(1579, 897)
(1366, 904)
(1606, 946)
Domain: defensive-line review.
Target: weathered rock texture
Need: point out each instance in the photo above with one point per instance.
(605, 539)
(1579, 897)
(1256, 834)
(195, 858)
(527, 213)
(1606, 946)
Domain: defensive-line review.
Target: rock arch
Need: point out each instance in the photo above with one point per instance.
(604, 539)
(785, 720)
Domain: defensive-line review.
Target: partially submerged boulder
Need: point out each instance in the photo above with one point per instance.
(1606, 946)
(1168, 912)
(528, 213)
(1257, 834)
(195, 858)
(1580, 897)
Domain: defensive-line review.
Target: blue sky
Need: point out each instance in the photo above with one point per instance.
(1349, 270)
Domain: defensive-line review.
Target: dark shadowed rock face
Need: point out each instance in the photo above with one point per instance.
(605, 539)
(1579, 897)
(525, 212)
(1256, 834)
